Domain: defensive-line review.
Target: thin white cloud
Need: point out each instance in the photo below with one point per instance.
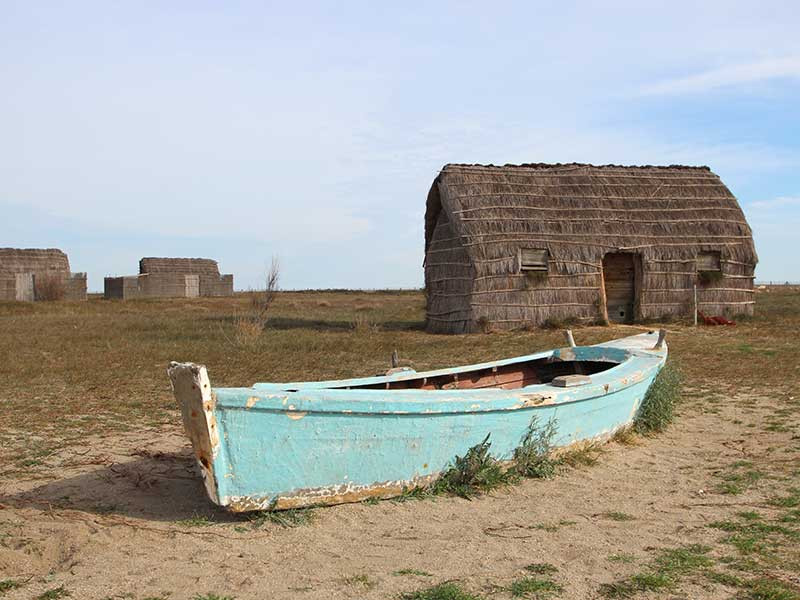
(779, 202)
(416, 155)
(731, 75)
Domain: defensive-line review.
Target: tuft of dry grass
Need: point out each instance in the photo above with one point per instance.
(246, 331)
(362, 324)
(626, 437)
(485, 325)
(261, 301)
(249, 325)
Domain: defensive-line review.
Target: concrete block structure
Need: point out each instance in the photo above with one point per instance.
(28, 274)
(171, 278)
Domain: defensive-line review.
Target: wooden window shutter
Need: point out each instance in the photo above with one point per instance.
(708, 261)
(533, 259)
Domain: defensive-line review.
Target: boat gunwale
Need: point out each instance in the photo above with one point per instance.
(358, 382)
(373, 402)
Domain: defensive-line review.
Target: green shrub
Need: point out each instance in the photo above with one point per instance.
(658, 407)
(477, 471)
(532, 458)
(8, 584)
(443, 591)
(534, 587)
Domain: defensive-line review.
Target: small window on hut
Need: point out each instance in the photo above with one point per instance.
(708, 262)
(533, 259)
(709, 270)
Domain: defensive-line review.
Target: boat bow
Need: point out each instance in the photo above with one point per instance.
(192, 390)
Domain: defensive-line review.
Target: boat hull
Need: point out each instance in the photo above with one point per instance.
(265, 447)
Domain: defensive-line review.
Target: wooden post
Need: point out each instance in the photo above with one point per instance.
(695, 304)
(662, 334)
(570, 339)
(395, 360)
(603, 298)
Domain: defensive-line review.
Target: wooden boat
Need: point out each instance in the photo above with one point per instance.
(285, 445)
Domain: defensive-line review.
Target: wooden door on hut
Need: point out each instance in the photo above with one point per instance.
(619, 277)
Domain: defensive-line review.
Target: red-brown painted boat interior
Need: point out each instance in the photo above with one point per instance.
(507, 377)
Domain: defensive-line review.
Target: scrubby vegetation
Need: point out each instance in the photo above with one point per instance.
(478, 472)
(658, 407)
(533, 457)
(475, 472)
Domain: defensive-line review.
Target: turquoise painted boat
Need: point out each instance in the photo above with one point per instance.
(285, 445)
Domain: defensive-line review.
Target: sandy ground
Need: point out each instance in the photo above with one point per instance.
(109, 525)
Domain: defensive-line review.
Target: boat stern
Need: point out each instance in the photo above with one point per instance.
(192, 390)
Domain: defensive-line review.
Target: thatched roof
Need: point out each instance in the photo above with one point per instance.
(523, 244)
(32, 260)
(579, 206)
(191, 266)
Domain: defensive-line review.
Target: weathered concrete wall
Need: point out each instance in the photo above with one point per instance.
(71, 286)
(166, 285)
(16, 287)
(222, 285)
(160, 285)
(19, 268)
(163, 285)
(8, 287)
(75, 287)
(127, 288)
(171, 278)
(113, 288)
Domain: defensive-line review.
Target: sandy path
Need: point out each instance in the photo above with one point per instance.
(120, 536)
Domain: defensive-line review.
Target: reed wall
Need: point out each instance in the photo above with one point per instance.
(478, 218)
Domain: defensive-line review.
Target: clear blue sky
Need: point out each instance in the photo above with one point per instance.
(312, 131)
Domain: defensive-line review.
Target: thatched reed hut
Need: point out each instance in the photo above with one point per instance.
(28, 274)
(523, 245)
(171, 278)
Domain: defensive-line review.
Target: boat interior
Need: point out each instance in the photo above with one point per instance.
(507, 377)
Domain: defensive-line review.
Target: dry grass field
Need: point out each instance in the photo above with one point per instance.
(99, 498)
